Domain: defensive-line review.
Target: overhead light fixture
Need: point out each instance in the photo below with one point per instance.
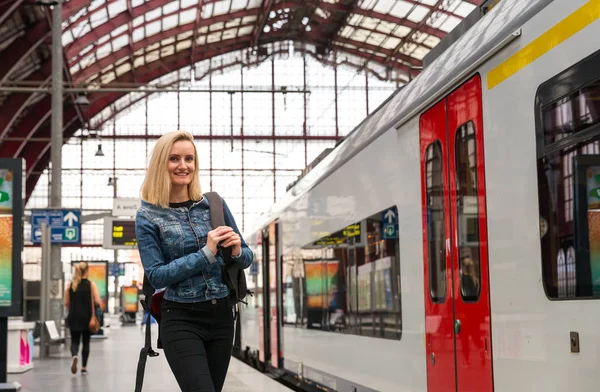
(81, 99)
(99, 152)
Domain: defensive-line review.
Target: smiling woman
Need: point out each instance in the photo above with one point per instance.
(182, 251)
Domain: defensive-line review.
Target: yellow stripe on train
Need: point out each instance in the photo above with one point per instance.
(566, 28)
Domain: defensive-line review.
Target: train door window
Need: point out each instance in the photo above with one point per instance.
(435, 222)
(568, 163)
(467, 211)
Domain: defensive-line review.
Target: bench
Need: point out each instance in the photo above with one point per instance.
(53, 334)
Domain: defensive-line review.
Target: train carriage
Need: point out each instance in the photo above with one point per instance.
(452, 241)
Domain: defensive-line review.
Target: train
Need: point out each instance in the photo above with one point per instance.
(451, 242)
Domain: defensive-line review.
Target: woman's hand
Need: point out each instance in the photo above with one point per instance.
(218, 235)
(235, 241)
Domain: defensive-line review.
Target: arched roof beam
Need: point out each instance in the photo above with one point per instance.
(72, 7)
(116, 111)
(28, 129)
(339, 19)
(125, 17)
(22, 47)
(386, 18)
(437, 7)
(99, 101)
(261, 21)
(17, 103)
(97, 67)
(8, 8)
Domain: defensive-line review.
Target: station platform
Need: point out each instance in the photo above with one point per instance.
(112, 367)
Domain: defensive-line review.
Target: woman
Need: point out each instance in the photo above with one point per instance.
(181, 252)
(78, 302)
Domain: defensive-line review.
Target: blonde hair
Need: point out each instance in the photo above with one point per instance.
(80, 270)
(157, 183)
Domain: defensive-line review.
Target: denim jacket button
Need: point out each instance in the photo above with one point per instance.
(213, 301)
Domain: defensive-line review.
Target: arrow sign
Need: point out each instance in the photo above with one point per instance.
(64, 225)
(390, 215)
(70, 217)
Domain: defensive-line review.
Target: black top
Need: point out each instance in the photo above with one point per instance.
(187, 204)
(80, 306)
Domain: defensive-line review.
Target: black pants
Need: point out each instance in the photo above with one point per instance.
(197, 340)
(76, 336)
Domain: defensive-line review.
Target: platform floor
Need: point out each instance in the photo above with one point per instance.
(112, 366)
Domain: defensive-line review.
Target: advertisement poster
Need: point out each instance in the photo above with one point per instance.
(593, 215)
(322, 284)
(130, 299)
(98, 273)
(6, 237)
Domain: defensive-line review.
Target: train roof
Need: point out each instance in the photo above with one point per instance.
(449, 68)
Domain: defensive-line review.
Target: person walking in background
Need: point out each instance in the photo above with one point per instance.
(78, 303)
(182, 252)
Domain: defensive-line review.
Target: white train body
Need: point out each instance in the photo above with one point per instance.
(542, 327)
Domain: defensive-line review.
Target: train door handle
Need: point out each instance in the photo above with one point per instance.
(432, 359)
(457, 326)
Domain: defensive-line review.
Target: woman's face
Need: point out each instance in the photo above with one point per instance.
(182, 162)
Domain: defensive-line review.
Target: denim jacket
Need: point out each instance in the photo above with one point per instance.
(172, 245)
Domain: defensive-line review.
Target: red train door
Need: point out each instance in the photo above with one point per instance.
(457, 305)
(270, 317)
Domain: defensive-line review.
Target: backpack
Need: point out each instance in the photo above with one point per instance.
(233, 277)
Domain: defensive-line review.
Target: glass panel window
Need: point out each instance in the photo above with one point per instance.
(435, 222)
(467, 212)
(568, 170)
(572, 113)
(348, 281)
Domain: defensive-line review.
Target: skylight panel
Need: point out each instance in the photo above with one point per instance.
(117, 7)
(188, 16)
(401, 9)
(170, 7)
(245, 30)
(98, 18)
(152, 28)
(183, 45)
(221, 7)
(151, 15)
(418, 14)
(120, 42)
(138, 21)
(138, 34)
(169, 22)
(448, 24)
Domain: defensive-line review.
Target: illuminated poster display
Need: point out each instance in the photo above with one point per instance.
(98, 273)
(593, 218)
(11, 212)
(6, 236)
(130, 298)
(322, 284)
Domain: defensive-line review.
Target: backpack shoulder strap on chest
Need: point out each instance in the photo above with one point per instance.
(217, 217)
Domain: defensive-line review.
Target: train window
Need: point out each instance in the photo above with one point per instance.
(435, 223)
(349, 281)
(568, 166)
(467, 211)
(572, 113)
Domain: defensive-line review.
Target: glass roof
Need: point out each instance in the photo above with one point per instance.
(122, 40)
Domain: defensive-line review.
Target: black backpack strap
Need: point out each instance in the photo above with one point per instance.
(147, 350)
(217, 218)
